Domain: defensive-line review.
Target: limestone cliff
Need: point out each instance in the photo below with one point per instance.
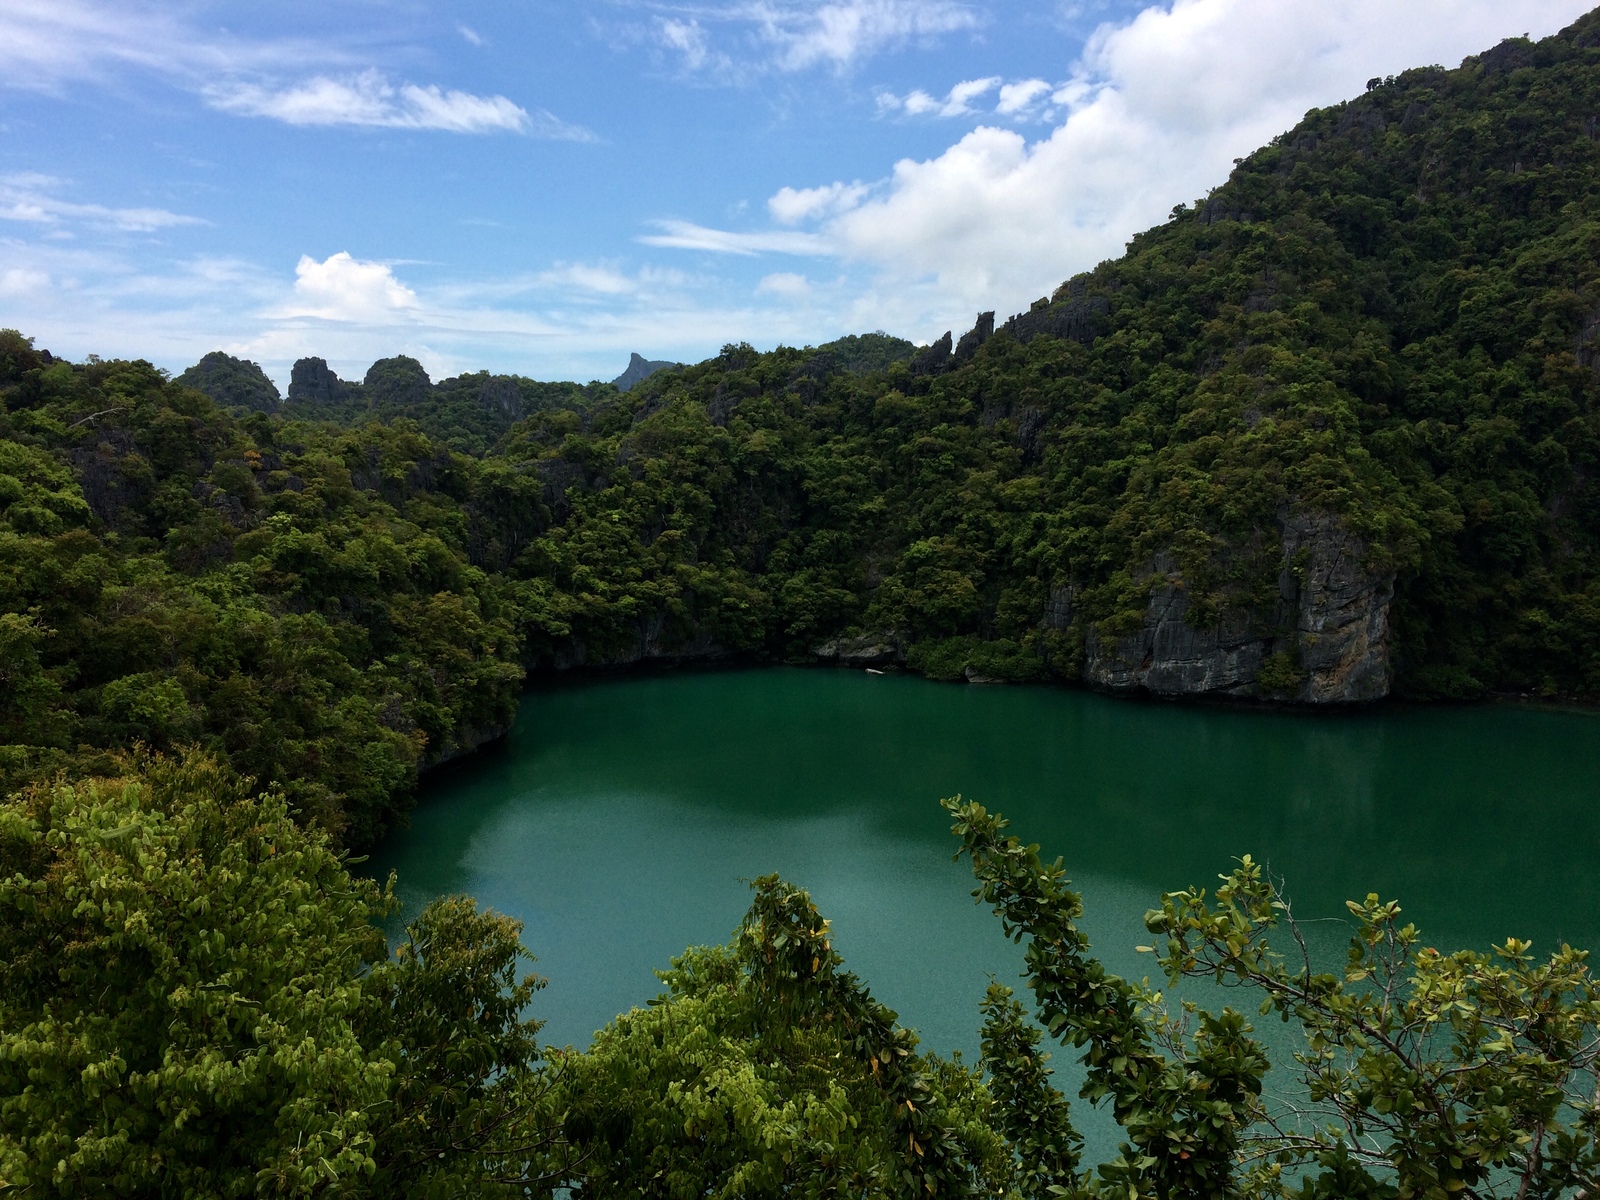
(1325, 642)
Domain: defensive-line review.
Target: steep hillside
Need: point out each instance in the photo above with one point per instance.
(1330, 433)
(1334, 426)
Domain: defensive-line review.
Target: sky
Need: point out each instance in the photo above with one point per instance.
(543, 187)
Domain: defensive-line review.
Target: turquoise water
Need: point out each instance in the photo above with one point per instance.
(623, 816)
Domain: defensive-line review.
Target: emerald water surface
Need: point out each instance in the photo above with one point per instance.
(622, 815)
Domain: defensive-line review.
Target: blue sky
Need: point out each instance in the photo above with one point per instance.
(543, 187)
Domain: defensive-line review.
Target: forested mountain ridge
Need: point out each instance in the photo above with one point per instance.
(1334, 424)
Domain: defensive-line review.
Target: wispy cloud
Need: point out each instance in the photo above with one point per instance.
(784, 283)
(472, 36)
(843, 31)
(740, 37)
(29, 197)
(47, 44)
(685, 235)
(370, 100)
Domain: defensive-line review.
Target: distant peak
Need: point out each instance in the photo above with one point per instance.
(639, 369)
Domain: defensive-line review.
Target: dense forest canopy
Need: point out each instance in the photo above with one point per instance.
(1328, 432)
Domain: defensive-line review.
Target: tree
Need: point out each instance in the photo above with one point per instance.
(194, 1000)
(1425, 1074)
(179, 991)
(768, 1070)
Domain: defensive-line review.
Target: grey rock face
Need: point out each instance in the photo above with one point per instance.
(639, 369)
(311, 382)
(931, 360)
(868, 650)
(501, 394)
(1078, 318)
(980, 333)
(1331, 621)
(1342, 619)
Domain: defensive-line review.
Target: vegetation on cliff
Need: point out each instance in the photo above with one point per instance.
(1382, 325)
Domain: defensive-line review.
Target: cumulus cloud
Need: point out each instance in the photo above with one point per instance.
(29, 197)
(344, 288)
(793, 205)
(957, 102)
(369, 99)
(1153, 114)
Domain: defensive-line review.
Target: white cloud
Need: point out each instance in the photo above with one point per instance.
(22, 281)
(685, 235)
(582, 277)
(739, 36)
(369, 99)
(1157, 108)
(690, 41)
(27, 197)
(784, 283)
(342, 288)
(47, 44)
(551, 324)
(472, 36)
(1019, 97)
(840, 33)
(957, 102)
(793, 205)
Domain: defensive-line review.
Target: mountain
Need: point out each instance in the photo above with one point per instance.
(468, 413)
(232, 382)
(639, 369)
(1330, 433)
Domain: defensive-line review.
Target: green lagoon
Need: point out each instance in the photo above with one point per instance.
(623, 816)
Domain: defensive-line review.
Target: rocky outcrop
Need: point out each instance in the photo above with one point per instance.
(398, 382)
(1326, 641)
(312, 382)
(981, 331)
(1074, 316)
(232, 382)
(639, 369)
(1342, 614)
(868, 650)
(931, 360)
